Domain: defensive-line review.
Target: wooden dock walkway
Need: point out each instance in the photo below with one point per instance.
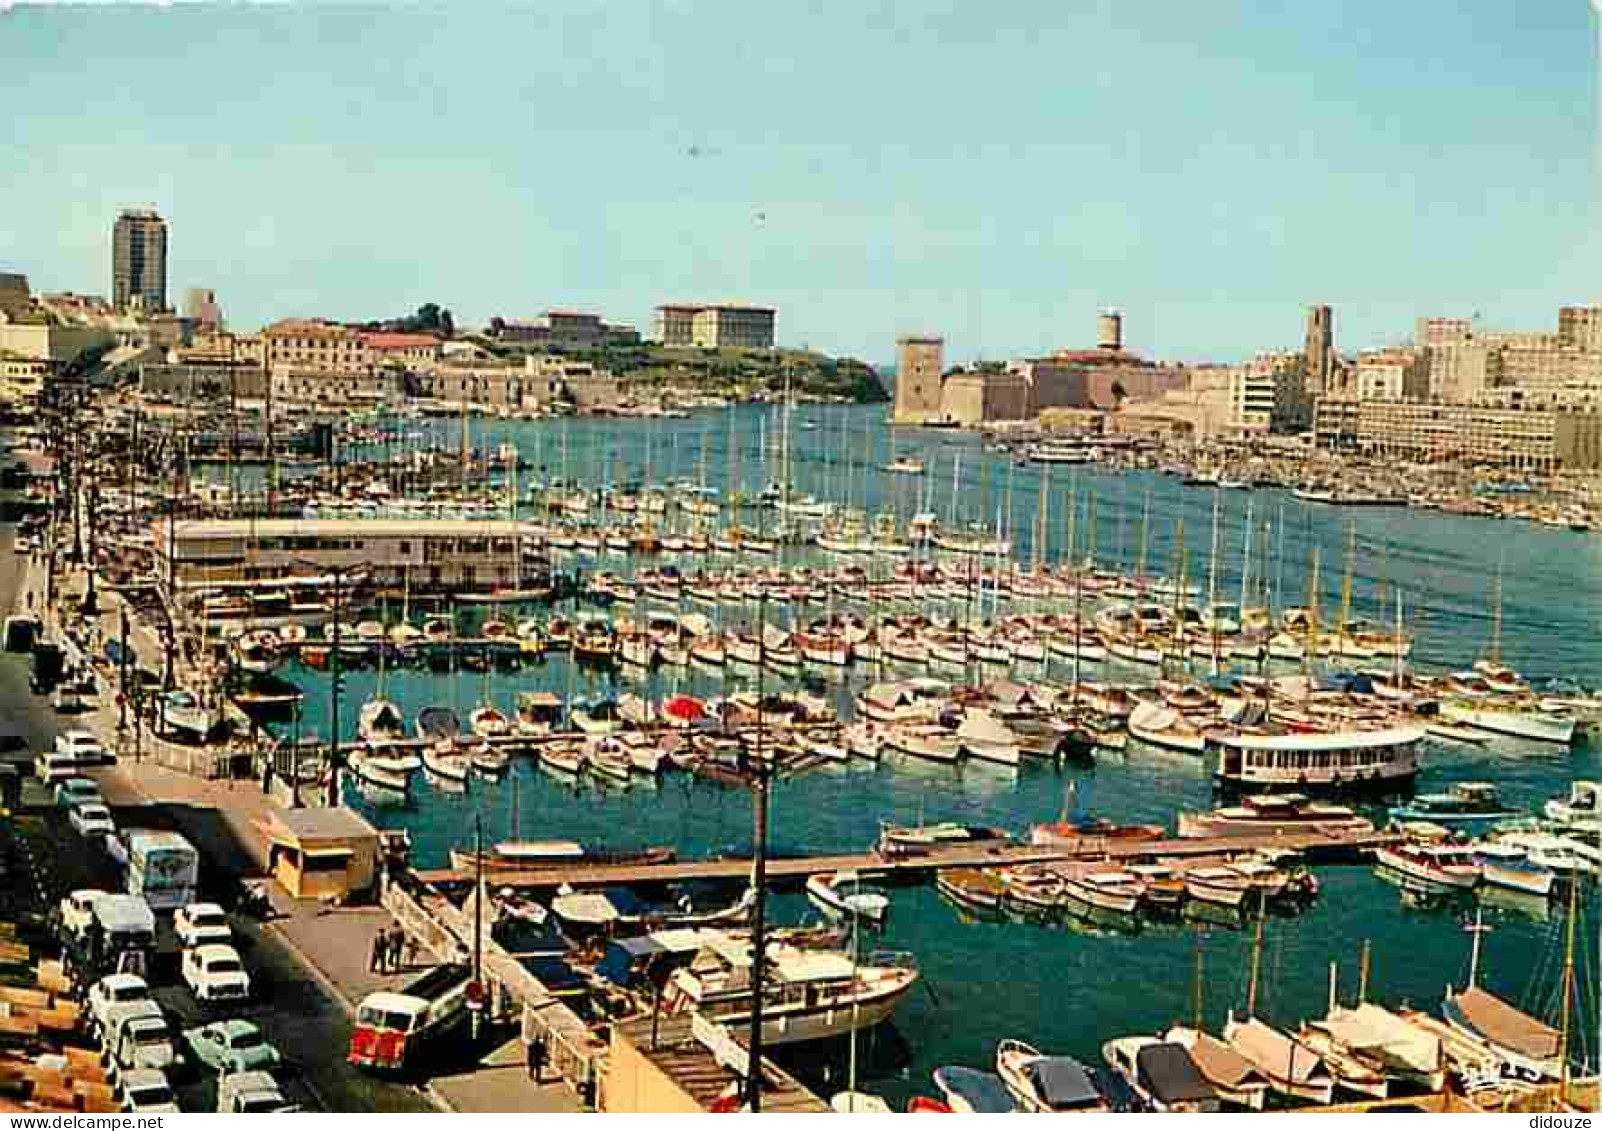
(792, 872)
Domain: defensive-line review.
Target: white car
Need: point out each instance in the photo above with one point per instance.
(113, 990)
(135, 1036)
(145, 1090)
(201, 923)
(82, 745)
(92, 819)
(77, 910)
(214, 973)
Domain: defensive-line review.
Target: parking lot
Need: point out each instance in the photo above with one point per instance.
(295, 1012)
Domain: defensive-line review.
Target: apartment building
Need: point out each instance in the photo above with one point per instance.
(1530, 439)
(406, 349)
(308, 344)
(352, 388)
(716, 326)
(1391, 375)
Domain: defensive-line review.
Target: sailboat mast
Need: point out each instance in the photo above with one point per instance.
(1246, 559)
(1568, 992)
(1257, 963)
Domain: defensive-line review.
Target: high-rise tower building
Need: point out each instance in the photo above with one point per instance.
(139, 260)
(1320, 351)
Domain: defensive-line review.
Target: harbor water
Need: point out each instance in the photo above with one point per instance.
(1069, 986)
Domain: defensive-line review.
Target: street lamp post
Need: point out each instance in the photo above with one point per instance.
(335, 680)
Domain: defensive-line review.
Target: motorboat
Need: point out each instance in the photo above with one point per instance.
(981, 735)
(1403, 1051)
(917, 840)
(1354, 1070)
(1469, 805)
(442, 760)
(1581, 810)
(564, 757)
(933, 743)
(1108, 890)
(380, 722)
(1041, 1083)
(488, 721)
(1161, 1073)
(185, 714)
(532, 855)
(436, 723)
(1435, 866)
(839, 895)
(1513, 716)
(1217, 883)
(1291, 1068)
(1505, 864)
(1234, 1079)
(969, 1091)
(976, 889)
(1272, 815)
(808, 993)
(1528, 1047)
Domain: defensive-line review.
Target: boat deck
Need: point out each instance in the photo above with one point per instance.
(917, 869)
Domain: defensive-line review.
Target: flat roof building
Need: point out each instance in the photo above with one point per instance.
(139, 261)
(713, 326)
(427, 554)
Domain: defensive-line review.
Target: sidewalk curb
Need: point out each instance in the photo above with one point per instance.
(345, 1003)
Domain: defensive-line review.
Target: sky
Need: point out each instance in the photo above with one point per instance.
(995, 173)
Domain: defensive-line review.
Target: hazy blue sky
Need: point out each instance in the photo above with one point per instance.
(991, 171)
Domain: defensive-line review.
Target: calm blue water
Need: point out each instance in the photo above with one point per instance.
(1063, 988)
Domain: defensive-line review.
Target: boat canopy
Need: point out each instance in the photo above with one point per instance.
(1062, 1082)
(984, 1092)
(1222, 1064)
(1499, 1022)
(1274, 1052)
(1372, 1028)
(1167, 1072)
(1333, 740)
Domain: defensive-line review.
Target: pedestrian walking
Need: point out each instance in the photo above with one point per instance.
(411, 952)
(375, 958)
(391, 951)
(537, 1056)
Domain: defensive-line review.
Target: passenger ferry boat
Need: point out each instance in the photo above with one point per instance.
(1254, 757)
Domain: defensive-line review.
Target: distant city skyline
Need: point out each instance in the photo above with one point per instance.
(1210, 170)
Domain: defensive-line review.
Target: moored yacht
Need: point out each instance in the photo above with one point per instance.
(1274, 815)
(808, 994)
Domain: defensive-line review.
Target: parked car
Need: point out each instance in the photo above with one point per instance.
(77, 911)
(77, 791)
(215, 973)
(201, 923)
(92, 819)
(145, 1090)
(235, 1045)
(82, 745)
(251, 1093)
(136, 1035)
(112, 990)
